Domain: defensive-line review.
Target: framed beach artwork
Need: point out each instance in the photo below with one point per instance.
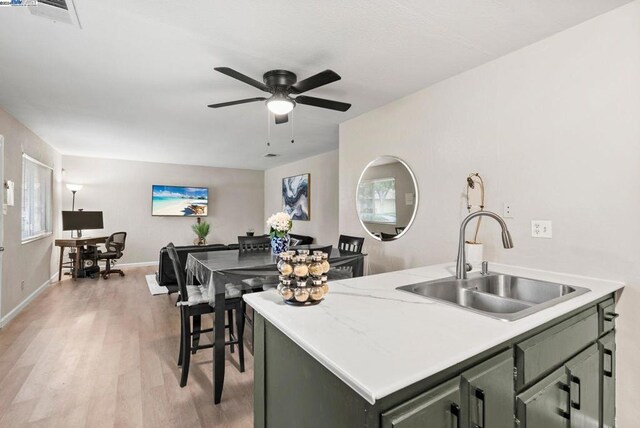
(296, 196)
(179, 201)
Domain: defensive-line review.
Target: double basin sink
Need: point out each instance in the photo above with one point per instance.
(496, 295)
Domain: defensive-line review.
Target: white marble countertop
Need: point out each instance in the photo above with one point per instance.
(379, 340)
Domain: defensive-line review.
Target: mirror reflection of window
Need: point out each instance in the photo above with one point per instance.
(386, 198)
(377, 200)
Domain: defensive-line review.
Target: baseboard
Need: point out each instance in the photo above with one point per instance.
(15, 311)
(137, 264)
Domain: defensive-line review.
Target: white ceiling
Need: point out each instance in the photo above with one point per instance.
(135, 81)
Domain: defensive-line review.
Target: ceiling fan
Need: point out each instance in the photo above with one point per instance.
(281, 84)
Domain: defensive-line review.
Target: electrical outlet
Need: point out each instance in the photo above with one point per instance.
(507, 210)
(541, 229)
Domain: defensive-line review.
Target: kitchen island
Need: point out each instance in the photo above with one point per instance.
(370, 355)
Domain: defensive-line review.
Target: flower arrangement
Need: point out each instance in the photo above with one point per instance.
(280, 224)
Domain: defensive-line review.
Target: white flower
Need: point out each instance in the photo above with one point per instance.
(280, 221)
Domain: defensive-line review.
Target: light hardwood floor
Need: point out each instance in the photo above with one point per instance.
(102, 353)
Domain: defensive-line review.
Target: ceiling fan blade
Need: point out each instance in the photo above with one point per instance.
(233, 103)
(241, 77)
(320, 79)
(321, 102)
(281, 118)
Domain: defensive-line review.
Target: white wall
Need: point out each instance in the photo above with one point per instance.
(122, 190)
(323, 168)
(554, 129)
(32, 262)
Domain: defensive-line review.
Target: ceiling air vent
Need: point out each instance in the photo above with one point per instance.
(270, 155)
(60, 4)
(58, 11)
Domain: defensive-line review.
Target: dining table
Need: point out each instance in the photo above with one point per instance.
(222, 270)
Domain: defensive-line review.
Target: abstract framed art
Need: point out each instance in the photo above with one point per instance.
(296, 196)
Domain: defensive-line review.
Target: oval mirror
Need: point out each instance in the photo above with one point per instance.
(387, 198)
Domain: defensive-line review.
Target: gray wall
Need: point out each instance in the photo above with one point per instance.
(122, 190)
(323, 168)
(554, 130)
(31, 262)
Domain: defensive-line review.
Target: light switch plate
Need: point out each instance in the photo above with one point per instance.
(541, 229)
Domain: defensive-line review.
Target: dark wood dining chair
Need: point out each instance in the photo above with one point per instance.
(194, 302)
(254, 244)
(350, 243)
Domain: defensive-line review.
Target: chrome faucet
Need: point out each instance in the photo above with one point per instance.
(461, 264)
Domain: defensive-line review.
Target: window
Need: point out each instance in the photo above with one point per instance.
(377, 200)
(36, 199)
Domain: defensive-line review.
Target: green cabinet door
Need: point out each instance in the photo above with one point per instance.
(545, 404)
(607, 345)
(584, 382)
(488, 393)
(437, 408)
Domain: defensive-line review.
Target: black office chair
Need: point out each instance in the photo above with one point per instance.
(194, 302)
(253, 244)
(115, 245)
(350, 243)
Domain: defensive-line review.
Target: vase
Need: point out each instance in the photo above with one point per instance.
(279, 245)
(200, 241)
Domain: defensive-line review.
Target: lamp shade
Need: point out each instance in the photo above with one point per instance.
(74, 187)
(280, 105)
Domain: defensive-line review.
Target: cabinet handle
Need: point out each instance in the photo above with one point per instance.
(455, 411)
(609, 352)
(479, 393)
(576, 380)
(566, 389)
(610, 316)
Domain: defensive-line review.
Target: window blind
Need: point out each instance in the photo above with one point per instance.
(37, 186)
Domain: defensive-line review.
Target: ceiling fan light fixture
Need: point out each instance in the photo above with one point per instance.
(280, 105)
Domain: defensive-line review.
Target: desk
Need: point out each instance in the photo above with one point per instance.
(220, 269)
(78, 244)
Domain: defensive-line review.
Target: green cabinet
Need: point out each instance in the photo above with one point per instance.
(545, 404)
(481, 397)
(561, 375)
(607, 348)
(584, 384)
(551, 348)
(438, 408)
(488, 393)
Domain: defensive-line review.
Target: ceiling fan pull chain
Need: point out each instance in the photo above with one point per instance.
(268, 128)
(292, 140)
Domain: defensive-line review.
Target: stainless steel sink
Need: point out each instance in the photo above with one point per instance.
(497, 295)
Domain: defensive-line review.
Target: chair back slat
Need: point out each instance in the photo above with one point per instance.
(254, 244)
(178, 270)
(350, 243)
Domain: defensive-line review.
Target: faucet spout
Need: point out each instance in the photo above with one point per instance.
(507, 242)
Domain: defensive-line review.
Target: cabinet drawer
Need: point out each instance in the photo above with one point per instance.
(607, 316)
(439, 407)
(547, 350)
